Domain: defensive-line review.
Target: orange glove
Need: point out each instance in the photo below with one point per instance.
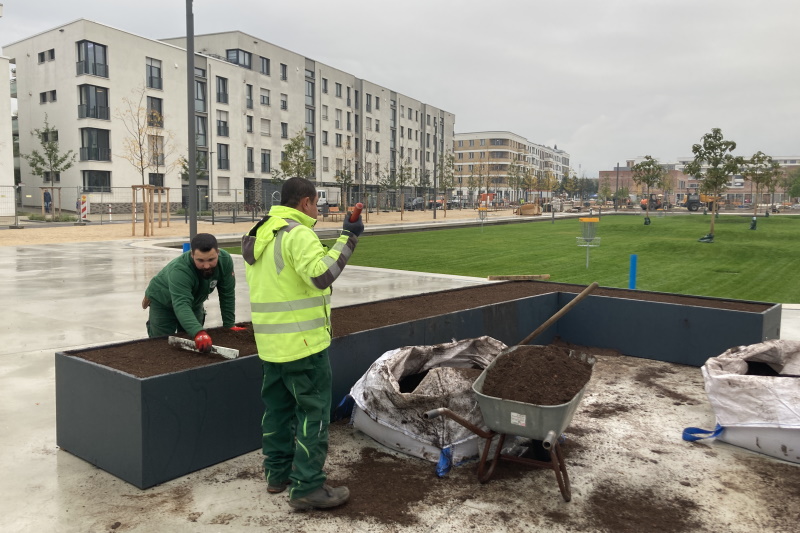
(202, 342)
(238, 328)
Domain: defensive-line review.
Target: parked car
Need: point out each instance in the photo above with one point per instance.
(413, 204)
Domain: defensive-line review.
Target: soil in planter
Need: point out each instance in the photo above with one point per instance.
(152, 357)
(539, 375)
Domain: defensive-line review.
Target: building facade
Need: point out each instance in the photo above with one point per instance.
(250, 98)
(504, 163)
(6, 137)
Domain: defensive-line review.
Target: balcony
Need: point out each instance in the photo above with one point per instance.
(95, 154)
(93, 69)
(98, 112)
(154, 82)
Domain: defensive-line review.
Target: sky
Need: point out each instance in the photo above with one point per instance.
(605, 81)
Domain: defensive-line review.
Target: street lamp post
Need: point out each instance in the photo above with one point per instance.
(616, 192)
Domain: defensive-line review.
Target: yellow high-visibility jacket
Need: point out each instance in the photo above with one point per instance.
(290, 274)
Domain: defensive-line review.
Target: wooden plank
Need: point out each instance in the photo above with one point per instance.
(521, 277)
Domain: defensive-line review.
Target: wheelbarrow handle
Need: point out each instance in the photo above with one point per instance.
(433, 413)
(550, 321)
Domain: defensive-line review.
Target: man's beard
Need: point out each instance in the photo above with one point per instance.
(207, 273)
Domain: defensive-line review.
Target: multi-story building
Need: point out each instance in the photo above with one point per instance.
(6, 138)
(498, 161)
(250, 98)
(739, 190)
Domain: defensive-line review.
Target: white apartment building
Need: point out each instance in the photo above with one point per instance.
(6, 139)
(485, 157)
(250, 98)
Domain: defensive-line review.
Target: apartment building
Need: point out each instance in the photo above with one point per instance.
(250, 98)
(489, 159)
(6, 137)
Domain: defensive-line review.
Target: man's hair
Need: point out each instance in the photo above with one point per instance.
(205, 242)
(295, 189)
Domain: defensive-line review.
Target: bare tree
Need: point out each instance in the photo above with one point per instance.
(142, 124)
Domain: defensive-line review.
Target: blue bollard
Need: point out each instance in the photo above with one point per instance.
(632, 275)
(187, 246)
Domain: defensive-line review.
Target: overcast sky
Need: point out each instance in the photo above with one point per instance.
(604, 80)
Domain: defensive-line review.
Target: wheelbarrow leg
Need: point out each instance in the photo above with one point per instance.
(484, 477)
(560, 469)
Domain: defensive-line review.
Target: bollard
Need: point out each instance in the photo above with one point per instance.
(632, 275)
(753, 223)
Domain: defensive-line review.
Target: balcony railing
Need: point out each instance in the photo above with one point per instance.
(154, 82)
(95, 69)
(264, 168)
(284, 105)
(95, 154)
(222, 98)
(157, 160)
(223, 164)
(99, 112)
(200, 106)
(251, 166)
(249, 103)
(222, 131)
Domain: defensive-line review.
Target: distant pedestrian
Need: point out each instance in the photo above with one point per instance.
(48, 201)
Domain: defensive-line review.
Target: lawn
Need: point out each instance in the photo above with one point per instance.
(758, 265)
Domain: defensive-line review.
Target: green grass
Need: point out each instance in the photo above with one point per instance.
(758, 265)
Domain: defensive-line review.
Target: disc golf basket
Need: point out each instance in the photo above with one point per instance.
(482, 214)
(588, 238)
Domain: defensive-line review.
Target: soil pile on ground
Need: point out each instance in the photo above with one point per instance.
(539, 375)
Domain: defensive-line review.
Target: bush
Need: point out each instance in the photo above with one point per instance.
(59, 218)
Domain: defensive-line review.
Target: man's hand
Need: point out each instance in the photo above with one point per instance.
(353, 227)
(238, 328)
(202, 341)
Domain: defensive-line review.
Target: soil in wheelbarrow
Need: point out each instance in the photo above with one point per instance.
(152, 357)
(539, 375)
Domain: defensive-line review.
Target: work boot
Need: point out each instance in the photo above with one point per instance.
(277, 488)
(324, 497)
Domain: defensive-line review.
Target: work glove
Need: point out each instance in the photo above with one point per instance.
(238, 328)
(353, 227)
(202, 341)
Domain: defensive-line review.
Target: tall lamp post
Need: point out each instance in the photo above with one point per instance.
(616, 192)
(192, 164)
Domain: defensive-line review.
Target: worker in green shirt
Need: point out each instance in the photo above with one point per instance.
(175, 296)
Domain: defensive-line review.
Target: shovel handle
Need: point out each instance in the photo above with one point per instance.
(561, 312)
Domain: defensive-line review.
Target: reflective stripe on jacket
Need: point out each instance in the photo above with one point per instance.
(290, 274)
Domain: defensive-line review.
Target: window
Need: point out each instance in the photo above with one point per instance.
(56, 177)
(378, 125)
(41, 57)
(461, 155)
(427, 140)
(266, 163)
(156, 146)
(367, 170)
(377, 147)
(429, 120)
(402, 132)
(472, 142)
(284, 101)
(222, 124)
(248, 96)
(483, 142)
(251, 165)
(223, 157)
(338, 119)
(368, 124)
(156, 179)
(324, 112)
(265, 127)
(324, 138)
(264, 96)
(92, 59)
(200, 130)
(50, 137)
(409, 133)
(222, 90)
(310, 153)
(224, 186)
(95, 145)
(460, 144)
(53, 95)
(43, 98)
(309, 92)
(47, 96)
(377, 102)
(284, 72)
(240, 57)
(325, 164)
(348, 121)
(155, 112)
(284, 130)
(338, 90)
(338, 140)
(309, 120)
(369, 102)
(96, 181)
(325, 85)
(265, 66)
(48, 55)
(199, 72)
(348, 96)
(368, 146)
(410, 113)
(199, 96)
(153, 73)
(249, 121)
(93, 102)
(202, 160)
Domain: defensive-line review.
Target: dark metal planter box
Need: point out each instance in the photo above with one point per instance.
(149, 430)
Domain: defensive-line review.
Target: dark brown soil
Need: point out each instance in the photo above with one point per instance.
(154, 357)
(539, 375)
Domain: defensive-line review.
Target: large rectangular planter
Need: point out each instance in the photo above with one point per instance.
(149, 430)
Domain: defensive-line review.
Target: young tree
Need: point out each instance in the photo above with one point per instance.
(447, 175)
(141, 123)
(50, 160)
(713, 164)
(345, 176)
(604, 191)
(758, 169)
(473, 185)
(295, 162)
(514, 179)
(648, 173)
(791, 183)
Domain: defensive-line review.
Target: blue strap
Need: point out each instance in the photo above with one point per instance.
(445, 462)
(693, 434)
(344, 409)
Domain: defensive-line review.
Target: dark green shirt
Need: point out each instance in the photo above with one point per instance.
(181, 286)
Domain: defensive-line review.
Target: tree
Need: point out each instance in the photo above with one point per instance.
(758, 169)
(713, 165)
(604, 191)
(473, 184)
(50, 161)
(143, 124)
(345, 176)
(791, 183)
(447, 175)
(514, 179)
(648, 173)
(294, 161)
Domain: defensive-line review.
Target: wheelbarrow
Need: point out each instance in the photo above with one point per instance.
(544, 423)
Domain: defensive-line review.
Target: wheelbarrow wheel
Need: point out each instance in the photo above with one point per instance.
(483, 474)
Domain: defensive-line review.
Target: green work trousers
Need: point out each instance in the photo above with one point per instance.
(164, 322)
(297, 410)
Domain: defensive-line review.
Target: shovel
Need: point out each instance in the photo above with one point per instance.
(188, 344)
